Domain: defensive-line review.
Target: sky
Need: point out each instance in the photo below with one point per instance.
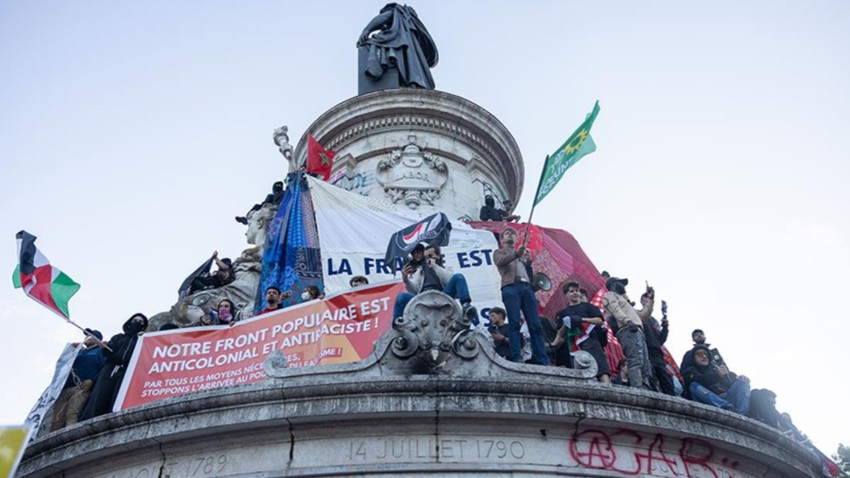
(132, 133)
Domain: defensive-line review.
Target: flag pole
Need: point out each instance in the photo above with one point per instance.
(534, 204)
(86, 332)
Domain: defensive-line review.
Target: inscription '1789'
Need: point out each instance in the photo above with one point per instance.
(433, 448)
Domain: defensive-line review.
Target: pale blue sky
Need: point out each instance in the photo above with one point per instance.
(132, 133)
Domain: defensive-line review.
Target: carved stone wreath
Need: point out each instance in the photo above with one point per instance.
(411, 175)
(433, 329)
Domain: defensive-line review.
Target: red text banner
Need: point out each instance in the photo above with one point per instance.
(339, 329)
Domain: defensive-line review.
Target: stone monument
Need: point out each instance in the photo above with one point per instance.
(433, 399)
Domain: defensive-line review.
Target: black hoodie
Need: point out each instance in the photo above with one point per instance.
(707, 376)
(122, 345)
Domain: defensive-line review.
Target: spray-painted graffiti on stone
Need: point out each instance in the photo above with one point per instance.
(633, 453)
(359, 183)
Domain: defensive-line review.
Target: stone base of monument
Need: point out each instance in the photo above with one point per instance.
(432, 400)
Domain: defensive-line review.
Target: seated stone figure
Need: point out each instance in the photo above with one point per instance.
(425, 272)
(715, 385)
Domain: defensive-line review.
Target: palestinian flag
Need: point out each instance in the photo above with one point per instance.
(44, 283)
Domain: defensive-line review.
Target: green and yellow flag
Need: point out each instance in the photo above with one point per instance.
(13, 440)
(579, 144)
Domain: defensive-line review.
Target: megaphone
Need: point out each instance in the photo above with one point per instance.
(541, 281)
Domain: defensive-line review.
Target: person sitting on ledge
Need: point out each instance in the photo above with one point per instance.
(715, 385)
(274, 198)
(425, 271)
(489, 211)
(223, 276)
(698, 336)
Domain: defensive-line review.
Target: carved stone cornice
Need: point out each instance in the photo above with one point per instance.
(412, 110)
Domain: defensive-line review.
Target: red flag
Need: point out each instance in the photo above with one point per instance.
(319, 160)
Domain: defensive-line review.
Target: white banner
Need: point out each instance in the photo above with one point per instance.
(35, 418)
(354, 231)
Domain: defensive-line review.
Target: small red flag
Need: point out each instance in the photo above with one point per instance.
(319, 160)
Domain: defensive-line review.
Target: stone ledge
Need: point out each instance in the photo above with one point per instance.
(299, 421)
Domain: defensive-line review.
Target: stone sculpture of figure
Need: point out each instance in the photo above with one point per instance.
(258, 224)
(400, 53)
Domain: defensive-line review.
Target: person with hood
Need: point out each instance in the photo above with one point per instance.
(698, 336)
(630, 332)
(489, 211)
(715, 385)
(112, 373)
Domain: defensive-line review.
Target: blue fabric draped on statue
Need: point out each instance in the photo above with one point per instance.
(291, 258)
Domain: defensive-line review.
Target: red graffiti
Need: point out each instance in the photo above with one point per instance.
(695, 452)
(632, 453)
(592, 452)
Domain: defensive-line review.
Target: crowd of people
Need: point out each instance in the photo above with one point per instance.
(520, 334)
(613, 327)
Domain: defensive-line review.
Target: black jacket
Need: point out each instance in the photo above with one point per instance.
(708, 376)
(122, 345)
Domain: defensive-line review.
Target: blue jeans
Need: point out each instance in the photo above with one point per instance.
(738, 396)
(456, 289)
(516, 296)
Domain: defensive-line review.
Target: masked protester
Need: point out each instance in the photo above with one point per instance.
(311, 292)
(111, 375)
(489, 211)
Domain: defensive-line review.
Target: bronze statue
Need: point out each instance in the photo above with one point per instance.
(395, 51)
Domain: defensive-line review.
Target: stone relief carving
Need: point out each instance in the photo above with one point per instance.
(432, 329)
(412, 176)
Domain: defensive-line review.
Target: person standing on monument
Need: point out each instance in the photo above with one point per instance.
(575, 321)
(630, 330)
(518, 295)
(112, 373)
(80, 382)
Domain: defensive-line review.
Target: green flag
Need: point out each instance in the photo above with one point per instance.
(578, 144)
